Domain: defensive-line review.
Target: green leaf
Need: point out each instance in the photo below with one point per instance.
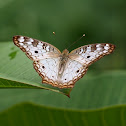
(91, 92)
(17, 70)
(28, 114)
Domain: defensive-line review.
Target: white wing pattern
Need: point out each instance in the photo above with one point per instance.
(61, 70)
(74, 70)
(88, 54)
(35, 49)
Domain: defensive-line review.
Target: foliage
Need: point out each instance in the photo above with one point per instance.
(30, 114)
(98, 98)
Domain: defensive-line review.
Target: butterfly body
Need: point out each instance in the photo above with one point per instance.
(63, 61)
(61, 70)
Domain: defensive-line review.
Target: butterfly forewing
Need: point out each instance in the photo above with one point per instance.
(35, 49)
(88, 54)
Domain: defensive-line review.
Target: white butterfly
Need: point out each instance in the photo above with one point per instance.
(61, 70)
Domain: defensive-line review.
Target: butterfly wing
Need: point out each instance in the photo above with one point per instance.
(80, 59)
(48, 70)
(73, 71)
(88, 54)
(35, 49)
(44, 55)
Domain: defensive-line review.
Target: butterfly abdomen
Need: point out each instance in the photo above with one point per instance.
(62, 64)
(63, 61)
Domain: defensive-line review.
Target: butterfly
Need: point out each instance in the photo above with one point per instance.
(61, 70)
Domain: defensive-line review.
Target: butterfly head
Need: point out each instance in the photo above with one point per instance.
(65, 52)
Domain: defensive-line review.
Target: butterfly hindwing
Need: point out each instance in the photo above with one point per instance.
(72, 73)
(48, 70)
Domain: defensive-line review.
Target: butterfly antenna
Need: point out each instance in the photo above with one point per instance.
(76, 41)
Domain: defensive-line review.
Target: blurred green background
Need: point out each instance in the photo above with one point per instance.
(102, 22)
